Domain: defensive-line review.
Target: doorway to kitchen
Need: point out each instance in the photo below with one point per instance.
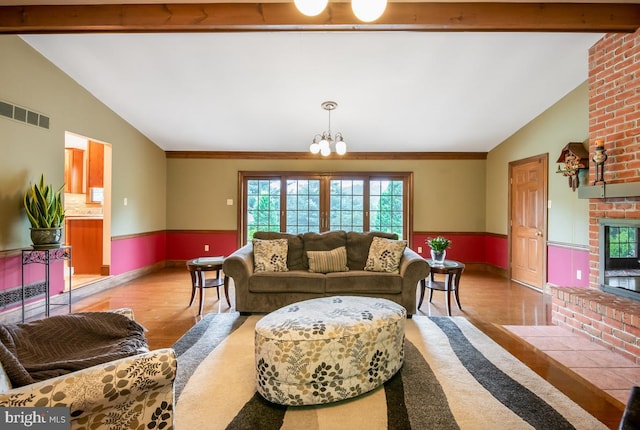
(87, 201)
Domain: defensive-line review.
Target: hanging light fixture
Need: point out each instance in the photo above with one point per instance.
(364, 10)
(322, 143)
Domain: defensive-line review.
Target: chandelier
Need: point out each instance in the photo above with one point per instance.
(322, 143)
(364, 10)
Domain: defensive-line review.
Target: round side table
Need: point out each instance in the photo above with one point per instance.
(197, 268)
(452, 271)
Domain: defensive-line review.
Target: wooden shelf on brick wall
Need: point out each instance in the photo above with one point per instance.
(606, 191)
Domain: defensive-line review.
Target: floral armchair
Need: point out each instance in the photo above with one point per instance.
(135, 392)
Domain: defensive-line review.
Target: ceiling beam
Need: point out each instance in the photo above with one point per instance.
(229, 17)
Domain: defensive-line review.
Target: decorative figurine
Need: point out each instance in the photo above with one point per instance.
(599, 158)
(574, 157)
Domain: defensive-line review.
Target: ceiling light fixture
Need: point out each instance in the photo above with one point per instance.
(322, 143)
(311, 7)
(364, 10)
(368, 10)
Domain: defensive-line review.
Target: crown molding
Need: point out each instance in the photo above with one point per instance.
(257, 155)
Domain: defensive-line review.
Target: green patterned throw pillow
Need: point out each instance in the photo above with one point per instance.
(385, 255)
(328, 261)
(270, 255)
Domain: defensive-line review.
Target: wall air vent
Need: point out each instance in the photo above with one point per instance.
(24, 115)
(14, 295)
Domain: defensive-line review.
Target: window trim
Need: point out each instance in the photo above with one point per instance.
(406, 177)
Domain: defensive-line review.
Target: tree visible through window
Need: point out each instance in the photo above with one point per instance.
(299, 203)
(623, 242)
(263, 206)
(303, 205)
(347, 204)
(386, 206)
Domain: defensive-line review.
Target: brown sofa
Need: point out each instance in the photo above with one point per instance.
(268, 291)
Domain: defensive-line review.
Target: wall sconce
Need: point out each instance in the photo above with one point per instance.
(599, 157)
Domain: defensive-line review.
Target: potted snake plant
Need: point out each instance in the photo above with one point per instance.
(45, 210)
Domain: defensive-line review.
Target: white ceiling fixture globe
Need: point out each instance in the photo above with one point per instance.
(368, 10)
(311, 7)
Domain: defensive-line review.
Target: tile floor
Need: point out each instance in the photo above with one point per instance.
(607, 370)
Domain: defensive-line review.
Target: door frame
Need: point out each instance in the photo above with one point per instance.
(544, 159)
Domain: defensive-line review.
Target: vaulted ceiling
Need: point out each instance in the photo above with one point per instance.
(402, 85)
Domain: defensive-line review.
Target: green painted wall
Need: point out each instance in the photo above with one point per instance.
(449, 195)
(456, 195)
(28, 79)
(564, 122)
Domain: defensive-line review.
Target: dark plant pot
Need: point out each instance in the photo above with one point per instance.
(46, 238)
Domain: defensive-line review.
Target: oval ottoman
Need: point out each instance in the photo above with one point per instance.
(328, 349)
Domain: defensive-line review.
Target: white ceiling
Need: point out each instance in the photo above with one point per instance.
(396, 91)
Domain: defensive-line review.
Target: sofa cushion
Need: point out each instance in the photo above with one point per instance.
(295, 281)
(295, 252)
(358, 247)
(363, 282)
(385, 255)
(323, 242)
(270, 255)
(328, 261)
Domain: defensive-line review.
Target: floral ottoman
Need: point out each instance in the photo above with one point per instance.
(328, 349)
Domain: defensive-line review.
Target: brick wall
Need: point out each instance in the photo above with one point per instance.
(606, 319)
(614, 117)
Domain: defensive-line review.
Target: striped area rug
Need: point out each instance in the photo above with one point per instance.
(454, 377)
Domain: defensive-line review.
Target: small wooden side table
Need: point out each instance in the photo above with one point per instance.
(197, 268)
(452, 271)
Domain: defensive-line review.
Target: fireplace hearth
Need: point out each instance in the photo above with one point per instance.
(619, 257)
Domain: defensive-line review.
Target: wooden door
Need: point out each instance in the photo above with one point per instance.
(528, 220)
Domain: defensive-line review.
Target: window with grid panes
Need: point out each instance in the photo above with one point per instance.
(316, 202)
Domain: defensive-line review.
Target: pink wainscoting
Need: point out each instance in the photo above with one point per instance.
(185, 245)
(563, 264)
(10, 276)
(136, 252)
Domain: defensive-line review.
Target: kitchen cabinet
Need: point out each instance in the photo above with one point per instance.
(84, 235)
(95, 171)
(73, 170)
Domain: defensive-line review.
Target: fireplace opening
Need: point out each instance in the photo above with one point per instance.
(619, 260)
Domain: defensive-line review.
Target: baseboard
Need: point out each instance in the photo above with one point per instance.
(105, 270)
(484, 267)
(114, 281)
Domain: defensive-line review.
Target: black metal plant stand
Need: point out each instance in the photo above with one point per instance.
(46, 256)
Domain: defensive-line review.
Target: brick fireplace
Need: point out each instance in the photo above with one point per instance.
(614, 117)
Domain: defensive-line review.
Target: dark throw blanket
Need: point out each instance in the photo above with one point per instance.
(42, 349)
